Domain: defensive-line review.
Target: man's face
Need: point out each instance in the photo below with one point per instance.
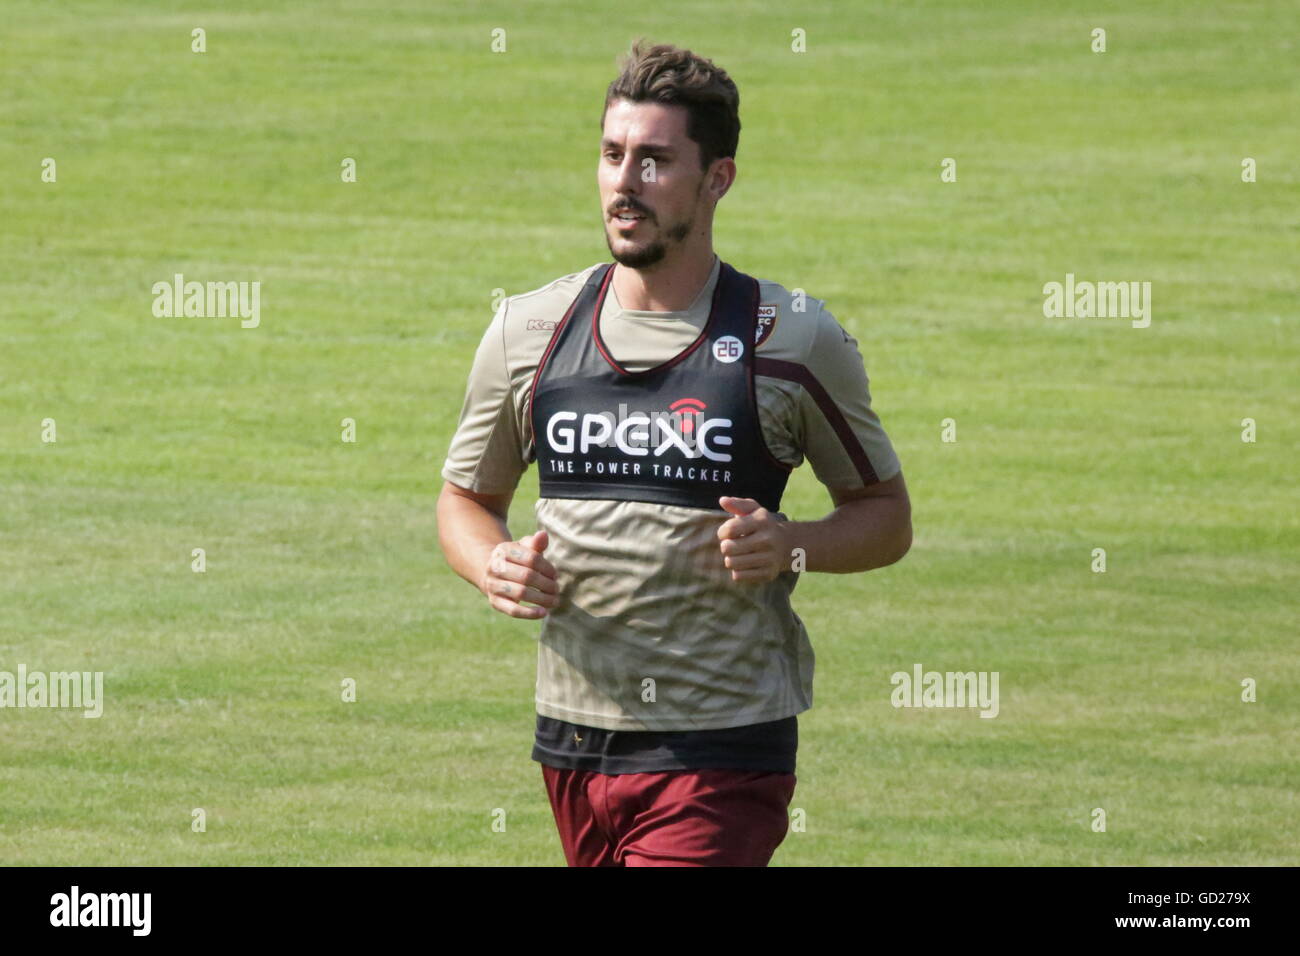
(668, 203)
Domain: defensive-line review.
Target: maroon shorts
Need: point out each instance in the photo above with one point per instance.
(672, 818)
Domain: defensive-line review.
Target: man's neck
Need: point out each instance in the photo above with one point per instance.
(665, 287)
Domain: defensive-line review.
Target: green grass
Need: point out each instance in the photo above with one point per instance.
(476, 172)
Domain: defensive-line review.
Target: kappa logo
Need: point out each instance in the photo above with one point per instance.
(766, 323)
(540, 325)
(728, 349)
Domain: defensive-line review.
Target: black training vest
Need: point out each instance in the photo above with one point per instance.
(682, 433)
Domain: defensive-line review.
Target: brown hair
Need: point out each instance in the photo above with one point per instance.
(666, 74)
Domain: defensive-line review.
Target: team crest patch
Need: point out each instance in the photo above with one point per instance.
(766, 323)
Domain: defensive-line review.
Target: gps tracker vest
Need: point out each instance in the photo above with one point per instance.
(682, 433)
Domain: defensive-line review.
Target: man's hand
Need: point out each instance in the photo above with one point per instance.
(517, 572)
(754, 545)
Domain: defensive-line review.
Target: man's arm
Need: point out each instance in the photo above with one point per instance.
(477, 544)
(487, 450)
(843, 439)
(470, 525)
(870, 527)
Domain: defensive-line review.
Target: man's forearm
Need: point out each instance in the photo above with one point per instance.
(859, 535)
(468, 532)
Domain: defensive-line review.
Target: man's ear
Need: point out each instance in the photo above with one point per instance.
(722, 176)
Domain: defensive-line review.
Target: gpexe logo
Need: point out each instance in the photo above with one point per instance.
(682, 427)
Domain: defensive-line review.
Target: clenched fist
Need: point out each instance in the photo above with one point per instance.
(754, 543)
(516, 572)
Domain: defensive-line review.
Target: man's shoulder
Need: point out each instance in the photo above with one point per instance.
(788, 321)
(528, 319)
(540, 309)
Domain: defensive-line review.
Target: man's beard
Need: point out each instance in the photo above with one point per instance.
(652, 254)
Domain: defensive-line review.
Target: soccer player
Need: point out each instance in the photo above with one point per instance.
(665, 398)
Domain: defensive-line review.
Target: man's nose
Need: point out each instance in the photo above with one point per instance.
(629, 176)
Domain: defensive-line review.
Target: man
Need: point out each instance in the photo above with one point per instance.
(665, 399)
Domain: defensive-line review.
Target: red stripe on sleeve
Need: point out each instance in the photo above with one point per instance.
(794, 372)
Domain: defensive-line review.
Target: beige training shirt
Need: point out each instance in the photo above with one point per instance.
(651, 632)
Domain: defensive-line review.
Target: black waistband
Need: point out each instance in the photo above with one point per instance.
(769, 746)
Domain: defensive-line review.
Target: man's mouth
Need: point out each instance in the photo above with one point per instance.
(627, 215)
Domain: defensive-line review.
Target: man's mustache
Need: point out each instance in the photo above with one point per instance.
(624, 207)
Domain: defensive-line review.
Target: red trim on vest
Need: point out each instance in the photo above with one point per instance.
(703, 336)
(537, 372)
(753, 389)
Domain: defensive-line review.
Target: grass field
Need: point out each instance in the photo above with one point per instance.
(476, 171)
